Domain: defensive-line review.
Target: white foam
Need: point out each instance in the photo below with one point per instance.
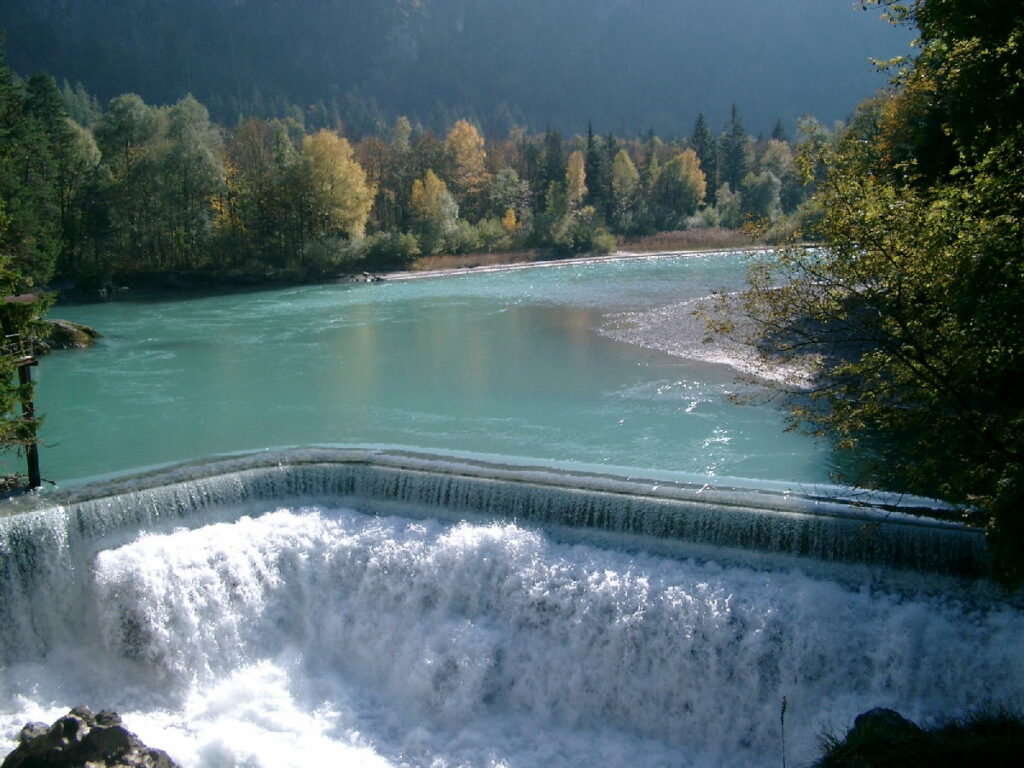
(321, 636)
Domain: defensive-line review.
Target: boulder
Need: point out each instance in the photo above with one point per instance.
(886, 725)
(63, 334)
(81, 739)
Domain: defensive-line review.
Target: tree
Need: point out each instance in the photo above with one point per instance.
(703, 143)
(340, 197)
(762, 196)
(680, 188)
(192, 174)
(575, 181)
(779, 132)
(625, 184)
(435, 213)
(29, 233)
(552, 166)
(75, 173)
(508, 193)
(243, 218)
(129, 137)
(29, 126)
(466, 162)
(912, 317)
(778, 159)
(736, 151)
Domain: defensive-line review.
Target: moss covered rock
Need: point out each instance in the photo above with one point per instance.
(63, 334)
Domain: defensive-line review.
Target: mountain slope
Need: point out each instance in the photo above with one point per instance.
(625, 64)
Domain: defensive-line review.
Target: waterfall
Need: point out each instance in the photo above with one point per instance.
(374, 608)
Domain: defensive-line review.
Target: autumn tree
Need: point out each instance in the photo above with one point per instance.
(339, 195)
(680, 188)
(466, 163)
(435, 213)
(625, 185)
(575, 181)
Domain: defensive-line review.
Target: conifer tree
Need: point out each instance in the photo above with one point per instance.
(703, 143)
(737, 152)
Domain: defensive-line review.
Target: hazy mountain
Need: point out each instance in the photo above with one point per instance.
(625, 64)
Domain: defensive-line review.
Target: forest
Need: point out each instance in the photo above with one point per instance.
(125, 194)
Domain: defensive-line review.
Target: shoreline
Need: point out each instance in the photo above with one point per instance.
(618, 256)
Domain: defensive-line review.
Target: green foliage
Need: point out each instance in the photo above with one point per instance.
(703, 143)
(913, 314)
(736, 151)
(678, 191)
(435, 213)
(137, 191)
(625, 187)
(729, 208)
(31, 128)
(762, 196)
(384, 251)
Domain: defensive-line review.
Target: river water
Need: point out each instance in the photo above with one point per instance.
(270, 631)
(515, 364)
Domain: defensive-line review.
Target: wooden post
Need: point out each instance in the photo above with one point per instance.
(28, 412)
(23, 356)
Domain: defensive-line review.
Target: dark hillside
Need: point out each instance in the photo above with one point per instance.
(626, 64)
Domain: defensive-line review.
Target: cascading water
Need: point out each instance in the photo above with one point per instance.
(314, 610)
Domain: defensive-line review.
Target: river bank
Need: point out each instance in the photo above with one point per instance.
(149, 285)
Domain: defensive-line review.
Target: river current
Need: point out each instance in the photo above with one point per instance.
(294, 615)
(520, 364)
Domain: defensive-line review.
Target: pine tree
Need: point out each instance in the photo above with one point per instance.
(737, 152)
(779, 131)
(703, 143)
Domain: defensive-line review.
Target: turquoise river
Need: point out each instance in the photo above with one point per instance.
(522, 364)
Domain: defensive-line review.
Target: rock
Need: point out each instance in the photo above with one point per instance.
(81, 739)
(63, 334)
(880, 738)
(885, 725)
(362, 277)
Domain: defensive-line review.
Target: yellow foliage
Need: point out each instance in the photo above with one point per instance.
(467, 159)
(691, 172)
(510, 222)
(340, 194)
(575, 180)
(428, 196)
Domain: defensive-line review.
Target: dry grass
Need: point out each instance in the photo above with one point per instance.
(689, 240)
(468, 260)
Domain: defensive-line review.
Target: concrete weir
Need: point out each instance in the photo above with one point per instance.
(867, 531)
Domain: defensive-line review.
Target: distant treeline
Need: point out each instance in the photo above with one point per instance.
(93, 197)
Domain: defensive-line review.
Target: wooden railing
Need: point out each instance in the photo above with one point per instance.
(18, 349)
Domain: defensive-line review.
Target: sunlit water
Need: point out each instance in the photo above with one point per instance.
(510, 364)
